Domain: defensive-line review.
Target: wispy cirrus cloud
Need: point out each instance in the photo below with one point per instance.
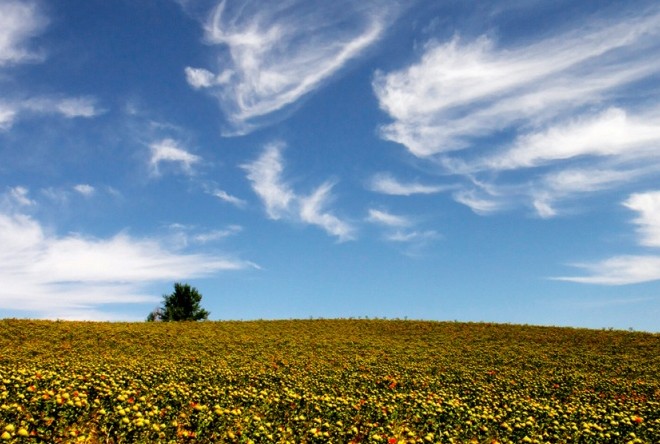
(67, 107)
(226, 197)
(17, 197)
(7, 116)
(400, 230)
(630, 269)
(313, 211)
(618, 270)
(480, 201)
(475, 88)
(282, 202)
(388, 219)
(272, 54)
(265, 174)
(169, 151)
(20, 21)
(386, 184)
(74, 275)
(84, 189)
(185, 235)
(611, 133)
(545, 107)
(647, 205)
(413, 236)
(574, 182)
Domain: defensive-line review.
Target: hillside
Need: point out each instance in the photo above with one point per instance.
(326, 381)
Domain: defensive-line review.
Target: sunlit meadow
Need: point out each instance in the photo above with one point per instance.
(320, 381)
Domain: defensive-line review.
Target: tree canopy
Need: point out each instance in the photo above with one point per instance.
(182, 305)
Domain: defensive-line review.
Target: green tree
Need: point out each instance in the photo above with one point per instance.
(182, 305)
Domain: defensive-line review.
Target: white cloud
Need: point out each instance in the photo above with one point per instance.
(281, 202)
(398, 229)
(18, 196)
(85, 189)
(274, 53)
(479, 202)
(67, 107)
(77, 107)
(484, 111)
(226, 197)
(200, 78)
(412, 242)
(265, 174)
(55, 195)
(169, 151)
(182, 236)
(216, 235)
(630, 269)
(7, 116)
(58, 276)
(574, 182)
(619, 270)
(413, 236)
(386, 184)
(648, 207)
(388, 219)
(313, 211)
(19, 22)
(461, 91)
(610, 133)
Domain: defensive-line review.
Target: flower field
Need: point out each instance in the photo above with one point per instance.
(321, 381)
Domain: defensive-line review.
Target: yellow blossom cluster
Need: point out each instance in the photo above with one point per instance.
(325, 381)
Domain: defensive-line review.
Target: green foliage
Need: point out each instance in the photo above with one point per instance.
(321, 381)
(182, 305)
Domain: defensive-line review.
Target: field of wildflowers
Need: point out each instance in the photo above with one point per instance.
(321, 381)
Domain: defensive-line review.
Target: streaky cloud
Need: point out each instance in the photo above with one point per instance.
(413, 236)
(386, 184)
(647, 205)
(18, 196)
(610, 133)
(388, 219)
(226, 197)
(479, 201)
(50, 275)
(170, 151)
(461, 91)
(630, 269)
(619, 270)
(7, 116)
(313, 211)
(85, 189)
(282, 202)
(571, 183)
(480, 110)
(265, 175)
(67, 107)
(19, 22)
(183, 236)
(272, 54)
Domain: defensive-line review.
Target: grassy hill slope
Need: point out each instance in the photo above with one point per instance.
(325, 381)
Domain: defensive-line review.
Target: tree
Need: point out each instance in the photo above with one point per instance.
(182, 305)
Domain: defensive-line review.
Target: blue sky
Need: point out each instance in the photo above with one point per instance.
(474, 161)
